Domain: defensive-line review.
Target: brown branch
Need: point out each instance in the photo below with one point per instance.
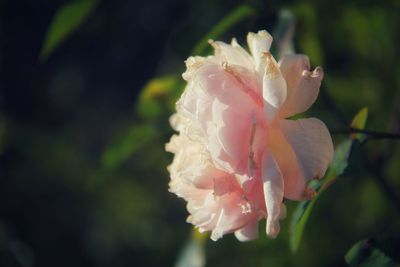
(372, 134)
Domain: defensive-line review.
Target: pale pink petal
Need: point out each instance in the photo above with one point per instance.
(218, 230)
(232, 54)
(233, 110)
(259, 43)
(312, 144)
(235, 159)
(194, 63)
(248, 232)
(274, 87)
(232, 216)
(273, 193)
(224, 184)
(248, 80)
(288, 163)
(302, 85)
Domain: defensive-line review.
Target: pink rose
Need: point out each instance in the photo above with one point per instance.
(236, 154)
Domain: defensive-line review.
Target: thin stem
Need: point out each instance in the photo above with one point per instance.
(376, 171)
(373, 134)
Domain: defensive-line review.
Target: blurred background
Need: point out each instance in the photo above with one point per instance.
(83, 123)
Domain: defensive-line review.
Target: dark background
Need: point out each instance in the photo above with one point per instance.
(62, 204)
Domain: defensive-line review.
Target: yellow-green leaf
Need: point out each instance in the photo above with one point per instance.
(359, 121)
(157, 94)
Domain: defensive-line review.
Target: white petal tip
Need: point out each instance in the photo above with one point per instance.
(273, 228)
(317, 73)
(242, 238)
(247, 233)
(215, 235)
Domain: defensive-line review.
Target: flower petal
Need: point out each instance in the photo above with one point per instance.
(259, 43)
(248, 233)
(302, 84)
(232, 54)
(231, 216)
(273, 193)
(274, 87)
(231, 112)
(312, 144)
(295, 183)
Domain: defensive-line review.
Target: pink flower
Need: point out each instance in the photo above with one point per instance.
(237, 155)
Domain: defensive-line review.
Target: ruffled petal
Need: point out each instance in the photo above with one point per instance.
(232, 54)
(235, 159)
(312, 144)
(295, 183)
(259, 43)
(273, 193)
(232, 215)
(274, 87)
(232, 109)
(248, 232)
(302, 84)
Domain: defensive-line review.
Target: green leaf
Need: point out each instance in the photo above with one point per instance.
(359, 122)
(304, 208)
(156, 95)
(234, 17)
(366, 254)
(66, 20)
(127, 144)
(337, 168)
(340, 159)
(193, 253)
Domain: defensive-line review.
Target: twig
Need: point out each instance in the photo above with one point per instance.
(373, 134)
(375, 169)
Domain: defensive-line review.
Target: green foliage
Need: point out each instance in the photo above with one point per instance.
(360, 119)
(366, 254)
(359, 122)
(128, 143)
(337, 167)
(126, 216)
(157, 95)
(304, 208)
(67, 19)
(234, 17)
